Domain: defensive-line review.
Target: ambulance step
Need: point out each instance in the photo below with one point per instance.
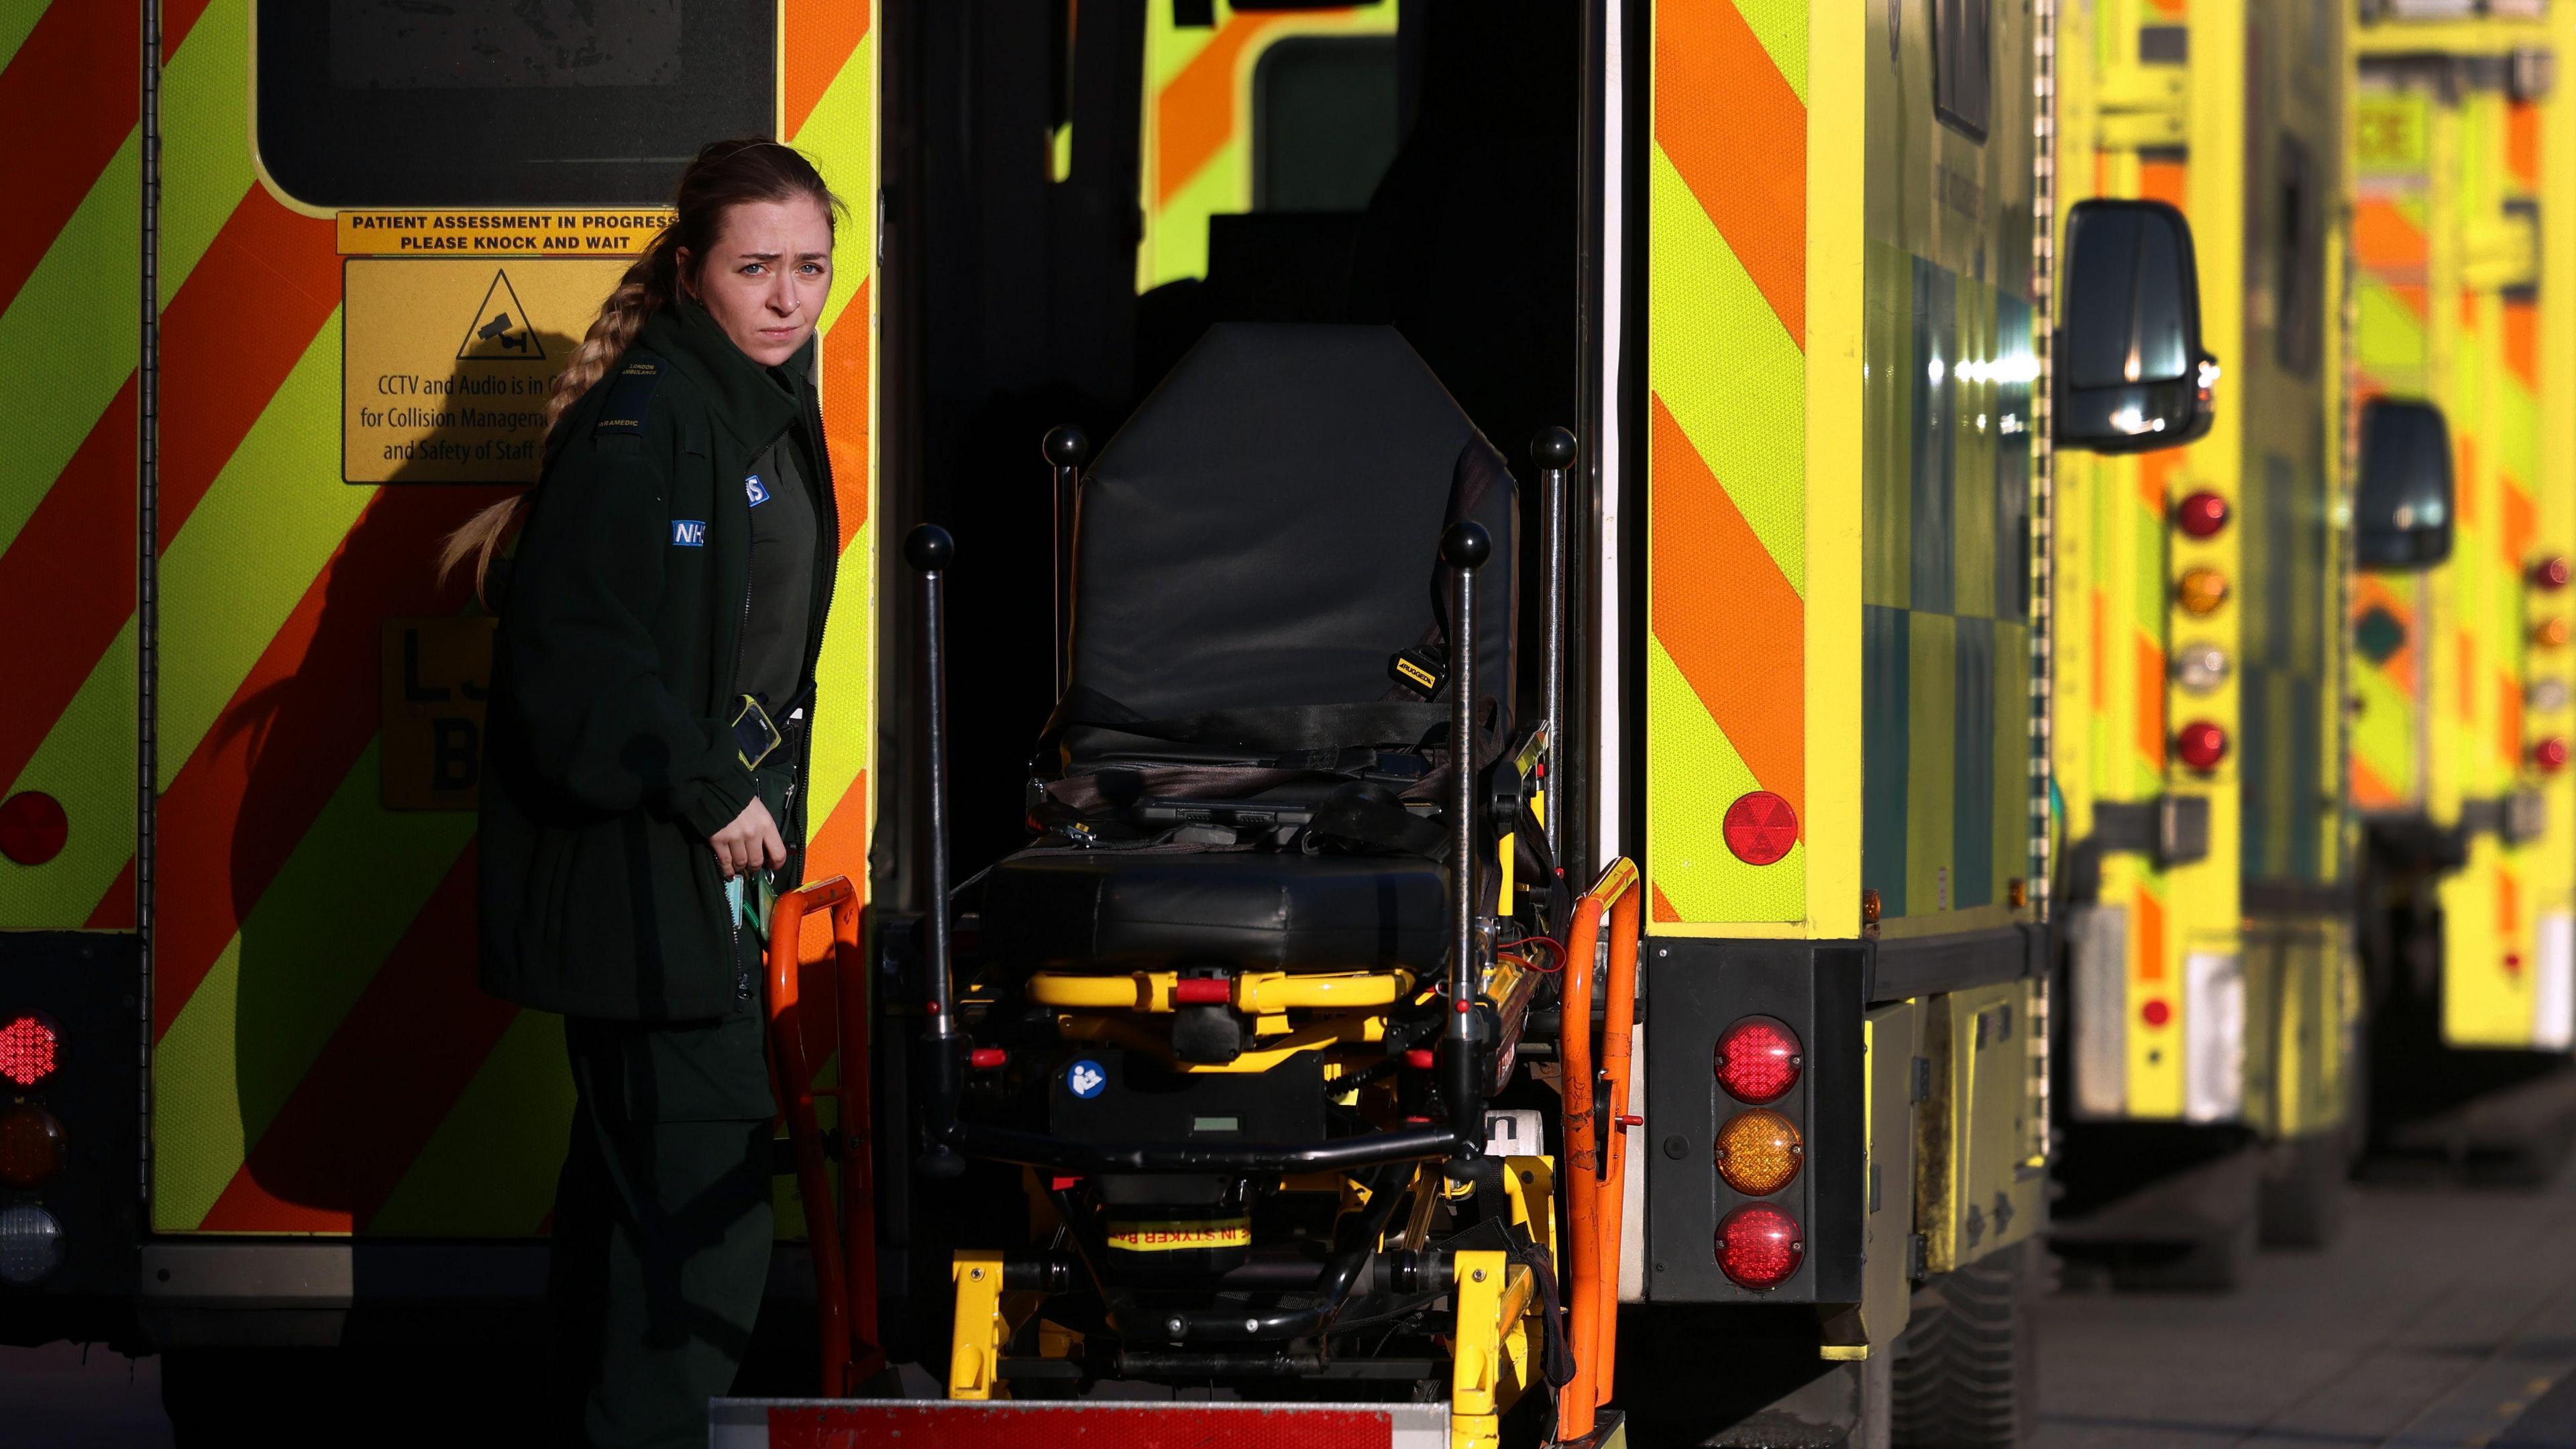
(1105, 1424)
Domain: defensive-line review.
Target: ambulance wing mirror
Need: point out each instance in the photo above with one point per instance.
(2402, 506)
(2131, 373)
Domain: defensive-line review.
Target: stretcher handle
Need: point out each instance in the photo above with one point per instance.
(1553, 451)
(928, 548)
(1592, 1196)
(1465, 547)
(842, 1234)
(1067, 449)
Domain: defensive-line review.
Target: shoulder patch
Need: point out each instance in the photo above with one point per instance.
(688, 533)
(630, 396)
(755, 490)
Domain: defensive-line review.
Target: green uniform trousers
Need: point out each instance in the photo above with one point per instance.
(662, 1226)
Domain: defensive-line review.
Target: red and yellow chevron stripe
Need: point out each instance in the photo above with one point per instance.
(69, 338)
(1726, 371)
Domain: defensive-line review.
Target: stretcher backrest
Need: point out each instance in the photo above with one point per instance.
(1263, 534)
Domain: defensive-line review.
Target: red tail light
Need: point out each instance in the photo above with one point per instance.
(2552, 572)
(32, 1146)
(2550, 754)
(2201, 744)
(1758, 1060)
(1760, 827)
(1759, 1246)
(30, 1049)
(2201, 515)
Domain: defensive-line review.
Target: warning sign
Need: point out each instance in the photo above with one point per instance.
(446, 363)
(611, 233)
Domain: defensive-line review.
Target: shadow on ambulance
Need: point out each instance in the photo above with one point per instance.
(359, 1023)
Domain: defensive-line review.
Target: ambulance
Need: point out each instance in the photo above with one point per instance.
(1634, 1014)
(2460, 135)
(2212, 1038)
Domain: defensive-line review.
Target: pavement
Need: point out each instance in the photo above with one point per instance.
(2444, 1316)
(64, 1396)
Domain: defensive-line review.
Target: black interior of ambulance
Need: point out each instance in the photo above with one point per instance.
(1013, 305)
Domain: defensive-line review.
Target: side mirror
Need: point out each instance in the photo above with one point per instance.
(2131, 373)
(2402, 505)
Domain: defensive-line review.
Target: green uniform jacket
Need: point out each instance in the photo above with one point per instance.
(611, 755)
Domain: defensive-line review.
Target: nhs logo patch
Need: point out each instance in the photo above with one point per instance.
(688, 533)
(755, 490)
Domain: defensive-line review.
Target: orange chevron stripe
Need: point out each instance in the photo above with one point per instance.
(2368, 787)
(845, 414)
(2151, 702)
(1726, 614)
(238, 326)
(1194, 115)
(2385, 239)
(2508, 721)
(1738, 135)
(817, 41)
(178, 17)
(1663, 908)
(2522, 341)
(2522, 142)
(71, 94)
(2151, 937)
(2466, 507)
(2521, 522)
(72, 566)
(839, 845)
(2165, 181)
(291, 732)
(389, 1074)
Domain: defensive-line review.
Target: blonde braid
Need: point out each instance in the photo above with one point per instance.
(643, 291)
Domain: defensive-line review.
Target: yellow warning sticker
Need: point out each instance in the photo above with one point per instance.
(612, 232)
(1180, 1237)
(446, 363)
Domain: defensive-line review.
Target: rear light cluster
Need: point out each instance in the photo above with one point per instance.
(33, 1147)
(2201, 668)
(1759, 1151)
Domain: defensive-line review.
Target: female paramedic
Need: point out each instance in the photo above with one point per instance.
(659, 621)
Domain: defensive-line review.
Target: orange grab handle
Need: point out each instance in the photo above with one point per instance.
(1618, 1037)
(1583, 1164)
(1591, 1202)
(843, 1234)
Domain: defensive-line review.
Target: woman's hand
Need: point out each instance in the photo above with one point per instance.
(749, 843)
